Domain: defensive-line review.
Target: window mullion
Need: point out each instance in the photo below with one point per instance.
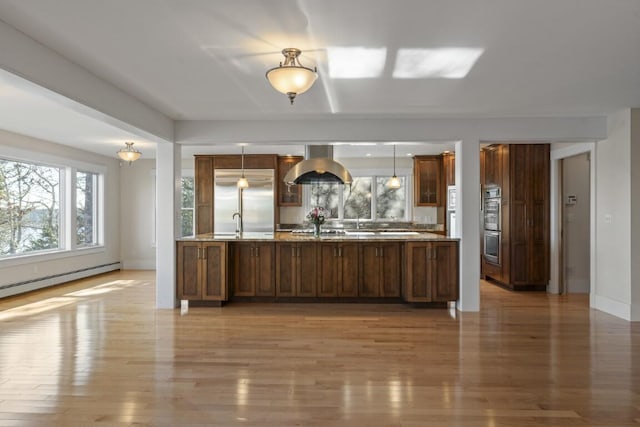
(70, 208)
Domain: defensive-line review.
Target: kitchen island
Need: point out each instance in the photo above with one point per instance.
(350, 266)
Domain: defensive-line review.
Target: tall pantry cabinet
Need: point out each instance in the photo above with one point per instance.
(523, 173)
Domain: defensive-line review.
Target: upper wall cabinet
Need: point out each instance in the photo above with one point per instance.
(427, 176)
(288, 195)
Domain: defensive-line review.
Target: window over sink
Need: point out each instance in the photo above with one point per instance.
(369, 198)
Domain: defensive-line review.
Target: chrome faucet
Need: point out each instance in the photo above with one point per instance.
(239, 225)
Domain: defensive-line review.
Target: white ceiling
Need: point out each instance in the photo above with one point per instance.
(206, 60)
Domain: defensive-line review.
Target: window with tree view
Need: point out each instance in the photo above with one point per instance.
(29, 207)
(187, 206)
(367, 198)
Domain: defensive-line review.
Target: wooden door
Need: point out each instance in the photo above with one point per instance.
(371, 268)
(444, 274)
(188, 271)
(286, 269)
(244, 284)
(264, 255)
(418, 256)
(306, 269)
(328, 270)
(390, 278)
(214, 271)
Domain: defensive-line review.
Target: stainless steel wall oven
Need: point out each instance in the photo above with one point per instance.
(492, 204)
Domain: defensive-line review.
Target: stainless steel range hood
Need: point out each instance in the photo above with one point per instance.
(319, 166)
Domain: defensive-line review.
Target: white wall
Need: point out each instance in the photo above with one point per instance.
(635, 214)
(576, 223)
(137, 210)
(40, 266)
(612, 289)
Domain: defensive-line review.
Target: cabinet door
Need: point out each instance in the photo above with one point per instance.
(286, 269)
(349, 266)
(390, 278)
(538, 211)
(328, 270)
(188, 279)
(519, 219)
(203, 195)
(244, 283)
(214, 271)
(264, 255)
(444, 275)
(371, 268)
(419, 256)
(288, 195)
(306, 270)
(427, 180)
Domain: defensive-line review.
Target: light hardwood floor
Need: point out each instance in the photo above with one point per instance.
(98, 352)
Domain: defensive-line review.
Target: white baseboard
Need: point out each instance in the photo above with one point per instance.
(33, 285)
(613, 307)
(139, 264)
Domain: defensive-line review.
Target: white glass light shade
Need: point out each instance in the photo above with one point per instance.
(129, 154)
(394, 182)
(242, 182)
(291, 79)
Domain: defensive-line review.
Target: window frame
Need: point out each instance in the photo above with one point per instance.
(67, 206)
(373, 174)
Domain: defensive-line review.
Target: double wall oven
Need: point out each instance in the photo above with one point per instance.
(492, 209)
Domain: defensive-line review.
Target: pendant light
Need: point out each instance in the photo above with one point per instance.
(290, 77)
(394, 182)
(242, 182)
(129, 154)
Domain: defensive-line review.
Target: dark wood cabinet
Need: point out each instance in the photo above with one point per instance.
(529, 213)
(523, 172)
(254, 269)
(201, 271)
(296, 269)
(203, 194)
(427, 172)
(338, 270)
(380, 272)
(432, 271)
(288, 195)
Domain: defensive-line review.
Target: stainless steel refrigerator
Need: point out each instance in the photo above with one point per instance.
(256, 205)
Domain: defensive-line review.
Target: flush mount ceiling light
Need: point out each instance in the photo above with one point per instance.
(394, 182)
(242, 181)
(291, 78)
(129, 154)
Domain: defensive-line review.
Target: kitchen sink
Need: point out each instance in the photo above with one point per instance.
(359, 233)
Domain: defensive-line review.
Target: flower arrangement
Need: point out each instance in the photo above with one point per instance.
(316, 215)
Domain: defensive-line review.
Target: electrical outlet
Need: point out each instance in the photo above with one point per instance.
(608, 219)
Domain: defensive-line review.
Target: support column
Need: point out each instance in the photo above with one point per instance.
(168, 188)
(468, 218)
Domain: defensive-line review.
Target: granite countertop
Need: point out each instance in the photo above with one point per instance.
(287, 236)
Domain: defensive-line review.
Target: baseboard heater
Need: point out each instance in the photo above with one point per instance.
(56, 279)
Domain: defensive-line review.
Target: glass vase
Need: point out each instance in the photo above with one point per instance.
(316, 230)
